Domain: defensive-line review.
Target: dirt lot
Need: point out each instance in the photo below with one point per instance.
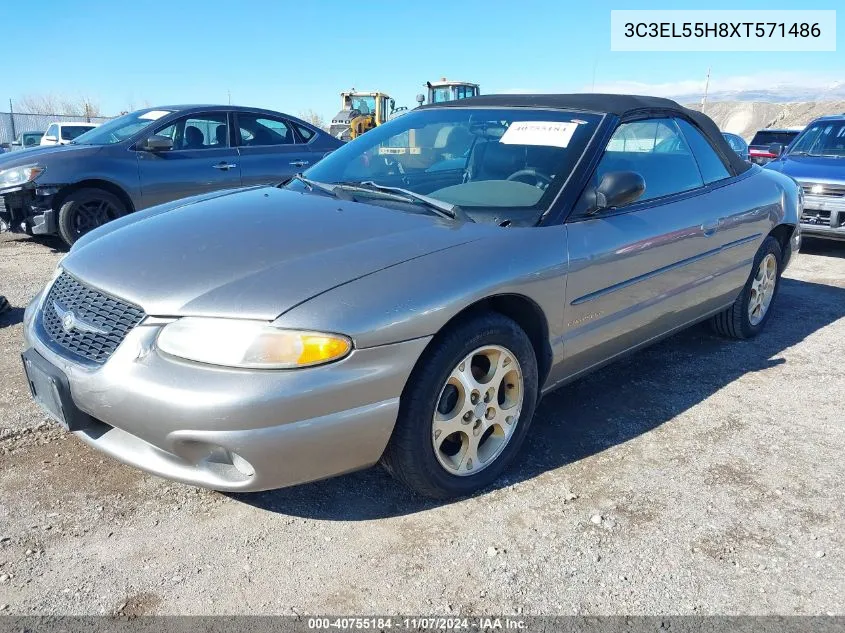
(700, 476)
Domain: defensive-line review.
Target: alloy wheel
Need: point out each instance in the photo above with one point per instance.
(762, 289)
(478, 410)
(91, 214)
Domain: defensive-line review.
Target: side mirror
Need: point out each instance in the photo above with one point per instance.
(776, 149)
(157, 144)
(618, 188)
(51, 138)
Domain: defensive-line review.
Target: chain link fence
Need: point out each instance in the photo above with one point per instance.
(13, 123)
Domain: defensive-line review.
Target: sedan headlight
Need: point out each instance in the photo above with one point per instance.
(15, 176)
(249, 344)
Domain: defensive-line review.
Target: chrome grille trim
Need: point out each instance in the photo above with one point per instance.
(105, 320)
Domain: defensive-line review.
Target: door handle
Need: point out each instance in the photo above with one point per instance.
(224, 166)
(299, 163)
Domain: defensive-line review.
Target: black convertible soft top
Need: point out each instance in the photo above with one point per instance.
(620, 105)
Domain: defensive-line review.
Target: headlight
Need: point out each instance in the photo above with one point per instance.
(19, 175)
(251, 344)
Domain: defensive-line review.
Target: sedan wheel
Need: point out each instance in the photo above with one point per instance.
(84, 210)
(748, 314)
(762, 289)
(465, 409)
(478, 410)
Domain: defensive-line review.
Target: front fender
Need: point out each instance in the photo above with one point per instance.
(791, 197)
(418, 297)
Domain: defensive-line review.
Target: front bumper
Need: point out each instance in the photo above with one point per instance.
(236, 430)
(28, 210)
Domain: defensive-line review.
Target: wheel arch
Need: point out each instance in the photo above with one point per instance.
(783, 234)
(525, 312)
(93, 183)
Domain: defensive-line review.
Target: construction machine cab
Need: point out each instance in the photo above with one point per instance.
(444, 90)
(360, 111)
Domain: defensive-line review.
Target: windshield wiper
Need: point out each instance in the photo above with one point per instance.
(311, 185)
(438, 206)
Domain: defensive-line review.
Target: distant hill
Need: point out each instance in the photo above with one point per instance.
(746, 117)
(784, 92)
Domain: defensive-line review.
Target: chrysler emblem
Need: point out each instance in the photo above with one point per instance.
(816, 189)
(71, 322)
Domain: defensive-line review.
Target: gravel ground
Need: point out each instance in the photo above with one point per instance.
(700, 476)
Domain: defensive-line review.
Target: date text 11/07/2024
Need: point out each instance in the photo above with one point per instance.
(418, 623)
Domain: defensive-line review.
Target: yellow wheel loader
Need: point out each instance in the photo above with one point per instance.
(361, 111)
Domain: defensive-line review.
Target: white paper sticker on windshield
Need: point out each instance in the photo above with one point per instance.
(549, 133)
(154, 115)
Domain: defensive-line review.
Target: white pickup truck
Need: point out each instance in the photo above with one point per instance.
(64, 132)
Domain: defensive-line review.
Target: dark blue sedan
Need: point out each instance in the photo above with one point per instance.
(150, 157)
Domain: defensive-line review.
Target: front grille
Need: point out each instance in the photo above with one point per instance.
(821, 218)
(827, 189)
(91, 309)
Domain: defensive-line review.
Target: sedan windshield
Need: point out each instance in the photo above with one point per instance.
(496, 165)
(824, 138)
(121, 128)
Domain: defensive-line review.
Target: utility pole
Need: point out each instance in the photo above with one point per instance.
(706, 87)
(12, 120)
(229, 93)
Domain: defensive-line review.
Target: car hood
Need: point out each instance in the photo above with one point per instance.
(810, 167)
(254, 253)
(45, 153)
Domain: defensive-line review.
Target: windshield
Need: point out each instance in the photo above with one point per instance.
(824, 138)
(364, 105)
(767, 137)
(121, 128)
(439, 95)
(70, 132)
(495, 164)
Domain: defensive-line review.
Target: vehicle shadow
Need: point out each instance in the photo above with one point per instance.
(53, 243)
(606, 408)
(827, 248)
(11, 317)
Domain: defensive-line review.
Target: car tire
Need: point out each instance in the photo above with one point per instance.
(482, 351)
(741, 321)
(84, 210)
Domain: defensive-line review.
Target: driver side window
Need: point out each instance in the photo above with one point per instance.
(198, 131)
(655, 149)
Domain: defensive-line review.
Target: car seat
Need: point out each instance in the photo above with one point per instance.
(493, 160)
(194, 138)
(221, 134)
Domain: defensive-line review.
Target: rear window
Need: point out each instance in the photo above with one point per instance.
(767, 137)
(70, 132)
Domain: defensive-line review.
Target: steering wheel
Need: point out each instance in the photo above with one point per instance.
(531, 177)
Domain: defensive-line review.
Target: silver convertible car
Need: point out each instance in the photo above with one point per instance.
(408, 299)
